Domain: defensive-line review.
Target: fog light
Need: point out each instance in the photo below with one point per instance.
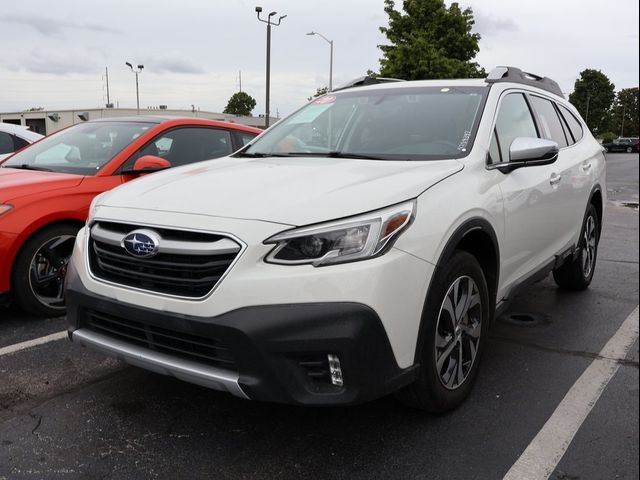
(335, 370)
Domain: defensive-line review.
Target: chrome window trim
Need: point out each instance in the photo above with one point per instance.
(509, 90)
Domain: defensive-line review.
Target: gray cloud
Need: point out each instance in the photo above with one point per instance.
(38, 63)
(488, 25)
(174, 65)
(51, 27)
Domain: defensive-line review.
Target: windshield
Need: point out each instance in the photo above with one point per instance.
(82, 149)
(387, 124)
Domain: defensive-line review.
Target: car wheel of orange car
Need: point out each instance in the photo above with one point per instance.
(39, 270)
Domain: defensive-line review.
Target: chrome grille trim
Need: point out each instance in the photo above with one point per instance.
(179, 231)
(224, 246)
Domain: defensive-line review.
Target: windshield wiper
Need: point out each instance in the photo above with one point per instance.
(334, 154)
(355, 155)
(26, 166)
(251, 155)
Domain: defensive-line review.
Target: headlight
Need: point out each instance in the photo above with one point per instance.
(93, 207)
(347, 240)
(4, 208)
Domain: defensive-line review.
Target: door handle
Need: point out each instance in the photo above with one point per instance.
(586, 166)
(555, 179)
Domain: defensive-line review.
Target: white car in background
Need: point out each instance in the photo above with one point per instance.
(15, 137)
(361, 246)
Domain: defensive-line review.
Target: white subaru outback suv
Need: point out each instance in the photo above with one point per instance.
(359, 247)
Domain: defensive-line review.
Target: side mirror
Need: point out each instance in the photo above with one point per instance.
(149, 164)
(529, 152)
(533, 151)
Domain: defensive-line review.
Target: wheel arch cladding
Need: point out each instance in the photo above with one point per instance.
(477, 237)
(596, 201)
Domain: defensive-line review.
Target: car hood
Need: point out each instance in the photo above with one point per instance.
(292, 190)
(18, 183)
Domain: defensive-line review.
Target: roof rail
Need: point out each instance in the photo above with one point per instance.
(366, 80)
(515, 75)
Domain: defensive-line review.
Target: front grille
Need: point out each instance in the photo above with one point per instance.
(189, 264)
(178, 344)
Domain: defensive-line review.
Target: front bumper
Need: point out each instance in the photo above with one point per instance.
(277, 350)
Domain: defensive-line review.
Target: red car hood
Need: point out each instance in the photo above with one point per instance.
(18, 183)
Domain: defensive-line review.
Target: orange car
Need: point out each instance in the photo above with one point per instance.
(46, 190)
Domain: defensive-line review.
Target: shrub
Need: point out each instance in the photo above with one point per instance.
(607, 137)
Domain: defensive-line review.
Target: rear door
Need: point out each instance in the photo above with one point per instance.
(568, 210)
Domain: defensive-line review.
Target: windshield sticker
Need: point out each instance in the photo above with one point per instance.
(325, 99)
(465, 139)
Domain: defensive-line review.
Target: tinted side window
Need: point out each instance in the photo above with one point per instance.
(6, 143)
(19, 143)
(494, 150)
(550, 125)
(182, 146)
(246, 137)
(574, 125)
(514, 120)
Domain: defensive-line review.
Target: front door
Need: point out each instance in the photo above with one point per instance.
(529, 194)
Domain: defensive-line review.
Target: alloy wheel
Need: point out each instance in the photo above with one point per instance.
(458, 332)
(589, 246)
(48, 269)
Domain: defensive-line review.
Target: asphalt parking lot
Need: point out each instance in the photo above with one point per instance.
(69, 413)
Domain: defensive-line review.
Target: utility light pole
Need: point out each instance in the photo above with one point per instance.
(330, 42)
(269, 23)
(106, 77)
(136, 71)
(624, 108)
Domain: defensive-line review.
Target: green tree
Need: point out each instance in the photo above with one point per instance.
(429, 40)
(626, 103)
(593, 95)
(319, 91)
(240, 103)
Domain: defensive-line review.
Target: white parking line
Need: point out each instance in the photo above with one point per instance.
(16, 347)
(543, 454)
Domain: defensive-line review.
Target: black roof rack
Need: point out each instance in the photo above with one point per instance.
(515, 75)
(366, 80)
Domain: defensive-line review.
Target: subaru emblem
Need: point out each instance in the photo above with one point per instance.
(141, 243)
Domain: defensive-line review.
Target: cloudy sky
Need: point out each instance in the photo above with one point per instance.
(54, 52)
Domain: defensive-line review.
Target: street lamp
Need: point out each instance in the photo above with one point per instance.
(136, 71)
(269, 22)
(330, 42)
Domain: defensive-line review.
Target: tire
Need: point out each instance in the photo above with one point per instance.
(629, 150)
(442, 386)
(37, 281)
(577, 273)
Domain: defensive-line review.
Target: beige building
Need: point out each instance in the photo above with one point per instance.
(49, 121)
